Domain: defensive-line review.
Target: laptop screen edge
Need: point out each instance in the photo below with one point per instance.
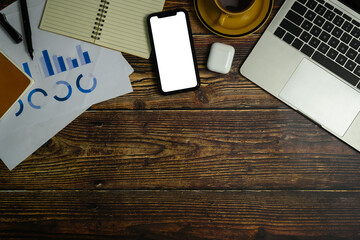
(353, 4)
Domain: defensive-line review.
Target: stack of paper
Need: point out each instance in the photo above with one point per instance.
(70, 76)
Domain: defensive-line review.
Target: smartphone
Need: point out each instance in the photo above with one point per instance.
(173, 51)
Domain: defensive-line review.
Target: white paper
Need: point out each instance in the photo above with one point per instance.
(43, 116)
(17, 146)
(104, 67)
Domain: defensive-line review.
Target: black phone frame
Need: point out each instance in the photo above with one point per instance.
(168, 14)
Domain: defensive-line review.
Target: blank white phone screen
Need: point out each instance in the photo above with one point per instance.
(173, 52)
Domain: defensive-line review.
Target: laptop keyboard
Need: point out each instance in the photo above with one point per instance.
(325, 34)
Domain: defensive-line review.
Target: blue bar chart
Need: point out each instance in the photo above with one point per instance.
(55, 64)
(27, 69)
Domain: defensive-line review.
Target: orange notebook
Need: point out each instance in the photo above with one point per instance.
(13, 84)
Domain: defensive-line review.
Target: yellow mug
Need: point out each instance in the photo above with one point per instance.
(232, 8)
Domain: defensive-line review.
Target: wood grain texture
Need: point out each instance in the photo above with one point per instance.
(189, 150)
(217, 90)
(180, 215)
(227, 161)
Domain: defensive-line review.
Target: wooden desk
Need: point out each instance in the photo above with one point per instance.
(228, 161)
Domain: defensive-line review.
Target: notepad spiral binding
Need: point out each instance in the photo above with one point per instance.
(100, 19)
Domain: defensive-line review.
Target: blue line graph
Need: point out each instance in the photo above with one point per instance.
(56, 64)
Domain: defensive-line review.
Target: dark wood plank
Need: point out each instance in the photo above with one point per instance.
(5, 3)
(196, 25)
(228, 161)
(217, 91)
(210, 149)
(256, 215)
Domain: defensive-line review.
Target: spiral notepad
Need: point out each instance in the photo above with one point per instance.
(115, 24)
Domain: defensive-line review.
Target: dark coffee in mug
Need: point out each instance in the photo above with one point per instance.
(235, 6)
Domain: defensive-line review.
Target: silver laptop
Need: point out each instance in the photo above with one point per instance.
(309, 57)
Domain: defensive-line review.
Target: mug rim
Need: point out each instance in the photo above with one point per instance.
(269, 6)
(233, 13)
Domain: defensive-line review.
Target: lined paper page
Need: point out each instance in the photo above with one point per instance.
(72, 18)
(125, 27)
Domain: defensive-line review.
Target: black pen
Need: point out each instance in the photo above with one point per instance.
(27, 28)
(9, 29)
